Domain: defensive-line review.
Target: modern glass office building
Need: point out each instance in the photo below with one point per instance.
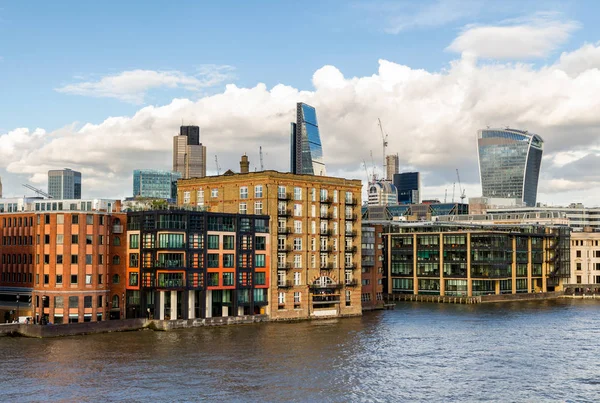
(64, 184)
(155, 184)
(509, 164)
(409, 187)
(306, 156)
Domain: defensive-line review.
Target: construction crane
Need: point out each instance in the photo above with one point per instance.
(384, 139)
(374, 177)
(445, 194)
(218, 166)
(460, 189)
(262, 167)
(453, 188)
(366, 172)
(37, 191)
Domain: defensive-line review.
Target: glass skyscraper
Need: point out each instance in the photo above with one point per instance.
(509, 164)
(155, 184)
(409, 187)
(306, 152)
(64, 184)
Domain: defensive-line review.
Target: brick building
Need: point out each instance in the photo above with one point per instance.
(372, 266)
(315, 235)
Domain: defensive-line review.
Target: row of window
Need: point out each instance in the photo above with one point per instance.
(60, 239)
(17, 222)
(75, 259)
(74, 279)
(594, 253)
(73, 301)
(587, 242)
(258, 193)
(16, 277)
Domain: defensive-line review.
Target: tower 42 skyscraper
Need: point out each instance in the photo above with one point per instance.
(306, 156)
(509, 164)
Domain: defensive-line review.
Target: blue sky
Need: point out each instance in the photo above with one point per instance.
(84, 62)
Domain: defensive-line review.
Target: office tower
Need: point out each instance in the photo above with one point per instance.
(315, 231)
(189, 155)
(392, 165)
(306, 152)
(156, 184)
(64, 184)
(408, 185)
(382, 193)
(509, 164)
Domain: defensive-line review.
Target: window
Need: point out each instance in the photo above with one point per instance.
(297, 210)
(47, 219)
(100, 259)
(260, 278)
(58, 302)
(134, 241)
(89, 239)
(260, 243)
(100, 239)
(60, 239)
(100, 279)
(297, 243)
(296, 297)
(59, 279)
(313, 194)
(47, 240)
(74, 259)
(212, 279)
(258, 191)
(243, 192)
(116, 260)
(73, 302)
(89, 219)
(578, 253)
(59, 259)
(297, 193)
(228, 260)
(297, 277)
(297, 261)
(335, 196)
(134, 259)
(281, 298)
(87, 301)
(258, 207)
(213, 260)
(115, 301)
(228, 242)
(259, 260)
(281, 192)
(348, 197)
(75, 219)
(73, 278)
(46, 259)
(243, 208)
(74, 239)
(214, 193)
(228, 278)
(88, 259)
(88, 279)
(348, 297)
(213, 242)
(200, 197)
(133, 279)
(186, 197)
(99, 301)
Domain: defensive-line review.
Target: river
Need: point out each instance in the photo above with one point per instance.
(528, 351)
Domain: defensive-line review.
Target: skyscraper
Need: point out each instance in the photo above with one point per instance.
(392, 165)
(509, 164)
(306, 152)
(153, 183)
(64, 184)
(189, 155)
(409, 187)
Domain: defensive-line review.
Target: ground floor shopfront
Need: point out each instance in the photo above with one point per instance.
(195, 304)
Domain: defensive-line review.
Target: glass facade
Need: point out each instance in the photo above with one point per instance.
(408, 185)
(306, 155)
(64, 184)
(155, 184)
(509, 164)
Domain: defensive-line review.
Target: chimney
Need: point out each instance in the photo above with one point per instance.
(244, 164)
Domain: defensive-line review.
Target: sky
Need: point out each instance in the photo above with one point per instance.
(102, 87)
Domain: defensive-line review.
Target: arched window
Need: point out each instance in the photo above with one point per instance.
(116, 259)
(115, 301)
(115, 280)
(117, 241)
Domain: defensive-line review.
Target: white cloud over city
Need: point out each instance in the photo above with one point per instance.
(431, 117)
(133, 85)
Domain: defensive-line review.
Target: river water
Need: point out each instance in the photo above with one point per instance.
(528, 351)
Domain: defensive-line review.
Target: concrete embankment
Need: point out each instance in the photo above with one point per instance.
(477, 299)
(125, 325)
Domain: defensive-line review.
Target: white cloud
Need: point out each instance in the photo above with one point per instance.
(529, 38)
(133, 85)
(431, 117)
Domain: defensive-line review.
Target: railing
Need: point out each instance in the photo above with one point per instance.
(326, 248)
(287, 230)
(327, 216)
(284, 213)
(327, 266)
(351, 249)
(327, 200)
(351, 283)
(352, 202)
(284, 265)
(117, 229)
(350, 233)
(350, 266)
(326, 286)
(285, 248)
(284, 196)
(351, 217)
(326, 232)
(284, 284)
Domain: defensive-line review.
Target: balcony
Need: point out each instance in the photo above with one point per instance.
(284, 213)
(319, 287)
(326, 216)
(284, 196)
(284, 248)
(327, 266)
(350, 266)
(351, 217)
(325, 232)
(326, 200)
(351, 283)
(285, 284)
(326, 248)
(284, 265)
(350, 233)
(351, 249)
(352, 202)
(117, 229)
(287, 230)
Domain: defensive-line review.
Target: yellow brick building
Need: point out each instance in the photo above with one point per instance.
(315, 235)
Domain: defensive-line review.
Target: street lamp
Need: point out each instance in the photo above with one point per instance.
(18, 296)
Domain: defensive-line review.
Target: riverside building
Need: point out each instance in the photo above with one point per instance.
(314, 229)
(585, 261)
(190, 264)
(69, 259)
(469, 260)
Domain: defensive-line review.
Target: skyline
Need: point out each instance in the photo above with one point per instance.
(441, 75)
